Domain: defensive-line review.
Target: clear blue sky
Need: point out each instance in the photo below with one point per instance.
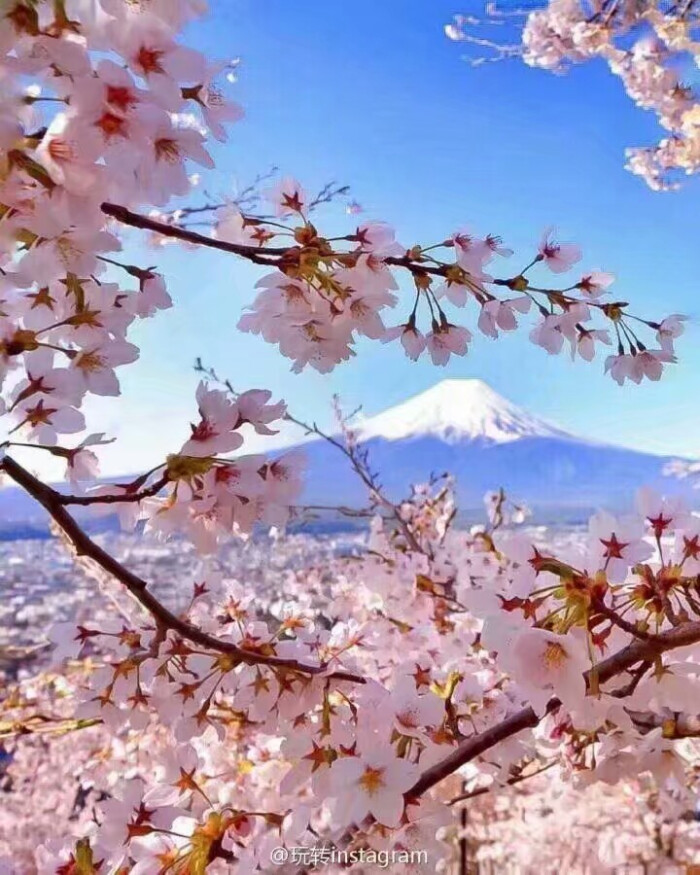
(372, 94)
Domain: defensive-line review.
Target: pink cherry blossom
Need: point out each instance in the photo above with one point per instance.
(558, 257)
(287, 196)
(545, 665)
(616, 545)
(372, 783)
(648, 363)
(595, 283)
(445, 340)
(215, 432)
(412, 340)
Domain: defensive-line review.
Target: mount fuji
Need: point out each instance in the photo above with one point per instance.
(455, 411)
(486, 441)
(465, 428)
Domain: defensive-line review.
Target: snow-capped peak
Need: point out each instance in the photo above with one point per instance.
(457, 410)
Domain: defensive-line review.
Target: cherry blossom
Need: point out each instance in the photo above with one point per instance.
(596, 283)
(371, 784)
(545, 664)
(287, 197)
(355, 699)
(646, 45)
(558, 256)
(215, 432)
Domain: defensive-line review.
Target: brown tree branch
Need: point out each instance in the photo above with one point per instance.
(136, 220)
(637, 675)
(126, 497)
(620, 622)
(268, 255)
(85, 546)
(526, 718)
(471, 748)
(274, 256)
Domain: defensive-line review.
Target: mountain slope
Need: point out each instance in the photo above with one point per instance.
(547, 473)
(485, 441)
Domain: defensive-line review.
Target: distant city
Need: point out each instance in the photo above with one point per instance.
(42, 584)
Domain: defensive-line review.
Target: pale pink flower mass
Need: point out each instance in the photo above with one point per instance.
(298, 692)
(371, 784)
(558, 257)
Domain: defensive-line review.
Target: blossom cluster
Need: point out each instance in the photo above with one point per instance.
(646, 45)
(320, 299)
(336, 709)
(207, 495)
(321, 713)
(99, 120)
(533, 825)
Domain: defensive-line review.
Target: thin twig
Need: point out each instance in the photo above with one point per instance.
(621, 623)
(516, 779)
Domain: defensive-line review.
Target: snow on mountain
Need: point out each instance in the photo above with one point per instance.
(486, 442)
(456, 411)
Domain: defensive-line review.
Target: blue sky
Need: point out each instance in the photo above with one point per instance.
(373, 95)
